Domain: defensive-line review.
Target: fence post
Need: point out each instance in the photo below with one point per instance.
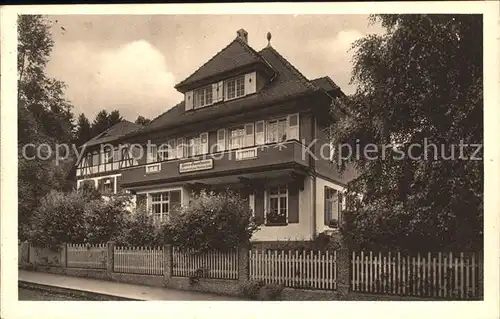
(110, 258)
(167, 264)
(480, 277)
(64, 256)
(243, 264)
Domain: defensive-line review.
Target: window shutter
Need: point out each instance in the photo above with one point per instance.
(293, 127)
(259, 133)
(250, 83)
(100, 184)
(249, 136)
(259, 207)
(152, 152)
(293, 203)
(171, 149)
(188, 100)
(180, 147)
(204, 143)
(221, 140)
(141, 202)
(217, 91)
(118, 186)
(340, 202)
(326, 203)
(175, 202)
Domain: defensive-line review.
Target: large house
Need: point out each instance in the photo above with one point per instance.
(250, 121)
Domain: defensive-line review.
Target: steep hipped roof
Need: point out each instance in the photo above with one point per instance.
(288, 83)
(114, 132)
(235, 55)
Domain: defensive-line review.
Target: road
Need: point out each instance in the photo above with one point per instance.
(43, 295)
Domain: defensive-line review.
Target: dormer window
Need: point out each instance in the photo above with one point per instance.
(203, 97)
(235, 87)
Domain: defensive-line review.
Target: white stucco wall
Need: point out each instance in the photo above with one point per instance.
(303, 230)
(320, 202)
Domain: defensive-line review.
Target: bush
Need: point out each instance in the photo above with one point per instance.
(75, 218)
(211, 222)
(140, 230)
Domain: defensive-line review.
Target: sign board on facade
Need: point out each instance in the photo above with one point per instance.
(193, 166)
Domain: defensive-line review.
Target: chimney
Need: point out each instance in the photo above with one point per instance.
(242, 35)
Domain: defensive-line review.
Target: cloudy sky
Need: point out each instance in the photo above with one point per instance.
(131, 63)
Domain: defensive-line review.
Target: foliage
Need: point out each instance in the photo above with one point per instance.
(44, 116)
(211, 222)
(105, 120)
(83, 130)
(142, 120)
(259, 290)
(421, 80)
(73, 217)
(141, 230)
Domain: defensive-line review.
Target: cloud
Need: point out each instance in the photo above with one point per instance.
(132, 78)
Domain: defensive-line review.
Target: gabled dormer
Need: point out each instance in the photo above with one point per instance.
(235, 72)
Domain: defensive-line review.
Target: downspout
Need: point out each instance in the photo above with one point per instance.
(312, 165)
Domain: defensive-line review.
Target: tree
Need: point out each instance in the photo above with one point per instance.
(83, 130)
(104, 121)
(420, 81)
(142, 120)
(211, 222)
(44, 116)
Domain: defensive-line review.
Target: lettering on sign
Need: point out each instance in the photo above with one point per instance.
(193, 166)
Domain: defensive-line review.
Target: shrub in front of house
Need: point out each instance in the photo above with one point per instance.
(74, 217)
(141, 230)
(211, 221)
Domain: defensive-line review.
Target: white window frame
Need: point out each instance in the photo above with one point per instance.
(268, 198)
(282, 120)
(205, 91)
(240, 137)
(234, 80)
(162, 215)
(332, 203)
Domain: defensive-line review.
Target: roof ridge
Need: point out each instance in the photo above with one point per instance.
(292, 68)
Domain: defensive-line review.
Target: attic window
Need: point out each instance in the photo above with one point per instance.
(203, 97)
(235, 87)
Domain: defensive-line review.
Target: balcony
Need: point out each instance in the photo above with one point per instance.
(290, 154)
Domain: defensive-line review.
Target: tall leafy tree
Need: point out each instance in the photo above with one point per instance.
(420, 82)
(83, 130)
(44, 116)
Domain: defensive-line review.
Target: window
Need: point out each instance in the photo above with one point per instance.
(236, 138)
(276, 131)
(108, 186)
(160, 205)
(152, 153)
(197, 145)
(163, 152)
(235, 87)
(332, 207)
(203, 97)
(277, 211)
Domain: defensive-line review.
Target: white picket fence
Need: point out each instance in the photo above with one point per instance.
(440, 275)
(138, 260)
(297, 269)
(213, 264)
(86, 256)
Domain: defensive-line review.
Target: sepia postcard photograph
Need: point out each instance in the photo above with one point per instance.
(253, 156)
